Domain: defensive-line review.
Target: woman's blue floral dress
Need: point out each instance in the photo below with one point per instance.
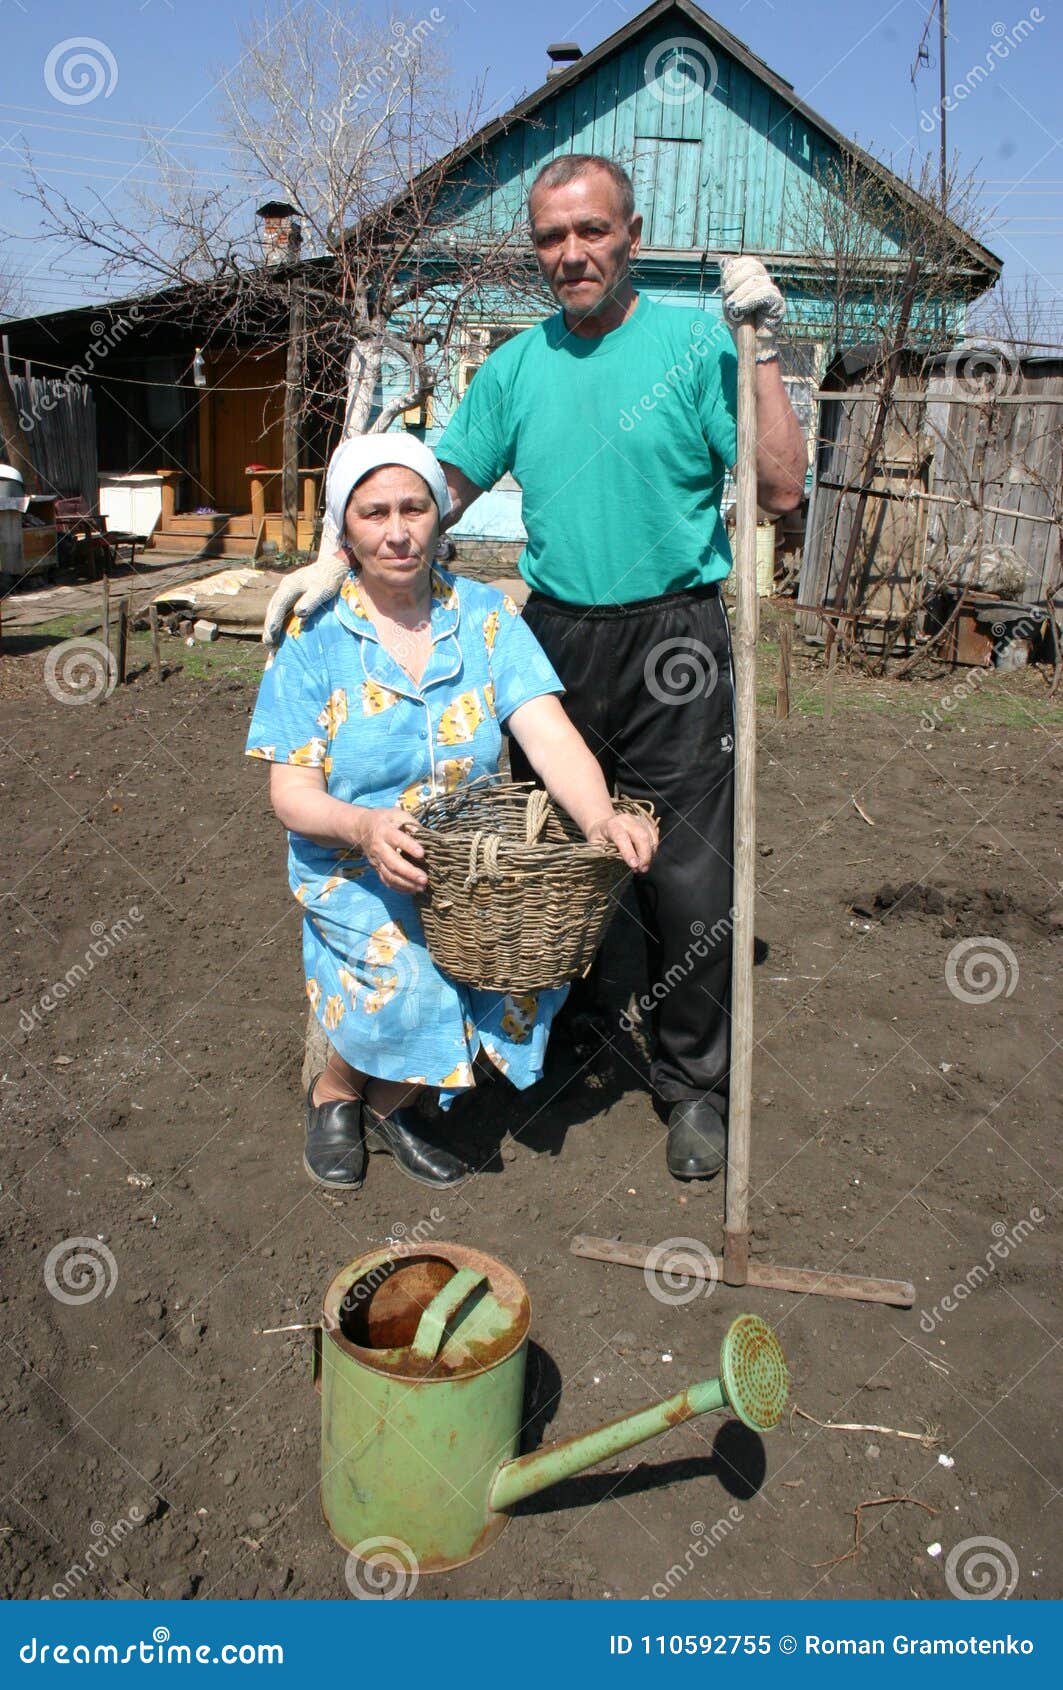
(332, 698)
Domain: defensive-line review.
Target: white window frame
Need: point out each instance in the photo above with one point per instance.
(478, 340)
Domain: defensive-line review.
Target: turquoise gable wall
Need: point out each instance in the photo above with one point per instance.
(727, 166)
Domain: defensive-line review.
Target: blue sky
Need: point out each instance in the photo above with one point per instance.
(850, 62)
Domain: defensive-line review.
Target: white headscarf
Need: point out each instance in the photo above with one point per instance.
(363, 453)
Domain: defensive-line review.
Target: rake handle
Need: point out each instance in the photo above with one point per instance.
(736, 1206)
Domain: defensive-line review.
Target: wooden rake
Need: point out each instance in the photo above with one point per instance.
(735, 1267)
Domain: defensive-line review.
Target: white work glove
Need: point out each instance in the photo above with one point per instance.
(305, 590)
(749, 294)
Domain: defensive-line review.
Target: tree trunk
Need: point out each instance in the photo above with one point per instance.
(363, 378)
(362, 383)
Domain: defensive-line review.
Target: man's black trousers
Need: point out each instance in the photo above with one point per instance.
(649, 687)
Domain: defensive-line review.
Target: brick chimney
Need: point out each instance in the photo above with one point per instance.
(281, 234)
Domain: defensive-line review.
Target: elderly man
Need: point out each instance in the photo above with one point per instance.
(617, 416)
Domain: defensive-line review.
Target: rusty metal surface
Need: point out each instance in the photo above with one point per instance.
(432, 1560)
(373, 1307)
(754, 1372)
(969, 646)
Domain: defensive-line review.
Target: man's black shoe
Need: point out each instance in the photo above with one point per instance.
(697, 1140)
(334, 1153)
(394, 1134)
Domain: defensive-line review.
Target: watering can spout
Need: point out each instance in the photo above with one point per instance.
(753, 1383)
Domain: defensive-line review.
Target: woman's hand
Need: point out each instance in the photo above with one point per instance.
(386, 839)
(635, 837)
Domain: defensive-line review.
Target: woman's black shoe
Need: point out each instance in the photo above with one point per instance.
(334, 1154)
(427, 1163)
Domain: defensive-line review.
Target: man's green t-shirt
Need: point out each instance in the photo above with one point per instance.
(620, 445)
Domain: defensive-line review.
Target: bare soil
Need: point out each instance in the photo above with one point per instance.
(898, 1130)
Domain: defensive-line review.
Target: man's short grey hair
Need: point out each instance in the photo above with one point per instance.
(560, 171)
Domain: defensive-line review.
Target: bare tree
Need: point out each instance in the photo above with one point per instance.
(1020, 317)
(353, 123)
(12, 290)
(861, 231)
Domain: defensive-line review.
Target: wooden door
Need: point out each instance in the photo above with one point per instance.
(243, 421)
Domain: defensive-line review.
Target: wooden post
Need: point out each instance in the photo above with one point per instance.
(156, 654)
(736, 1207)
(258, 500)
(292, 410)
(168, 494)
(832, 664)
(782, 688)
(105, 613)
(123, 638)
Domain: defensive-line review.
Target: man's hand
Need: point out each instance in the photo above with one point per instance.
(304, 591)
(750, 295)
(635, 837)
(386, 839)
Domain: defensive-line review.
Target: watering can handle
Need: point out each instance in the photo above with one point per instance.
(444, 1305)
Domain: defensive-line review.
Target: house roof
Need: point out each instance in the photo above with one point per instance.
(563, 79)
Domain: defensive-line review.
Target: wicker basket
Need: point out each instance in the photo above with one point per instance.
(517, 900)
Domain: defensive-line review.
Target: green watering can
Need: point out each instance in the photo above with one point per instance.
(420, 1362)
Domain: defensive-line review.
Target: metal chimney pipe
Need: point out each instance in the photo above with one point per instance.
(562, 54)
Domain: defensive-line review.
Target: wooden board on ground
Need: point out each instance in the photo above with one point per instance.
(235, 599)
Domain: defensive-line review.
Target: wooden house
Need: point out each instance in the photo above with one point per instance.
(188, 421)
(725, 157)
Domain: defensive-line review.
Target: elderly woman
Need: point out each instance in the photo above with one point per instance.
(399, 688)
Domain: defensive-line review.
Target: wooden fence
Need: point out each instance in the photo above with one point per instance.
(968, 467)
(61, 438)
